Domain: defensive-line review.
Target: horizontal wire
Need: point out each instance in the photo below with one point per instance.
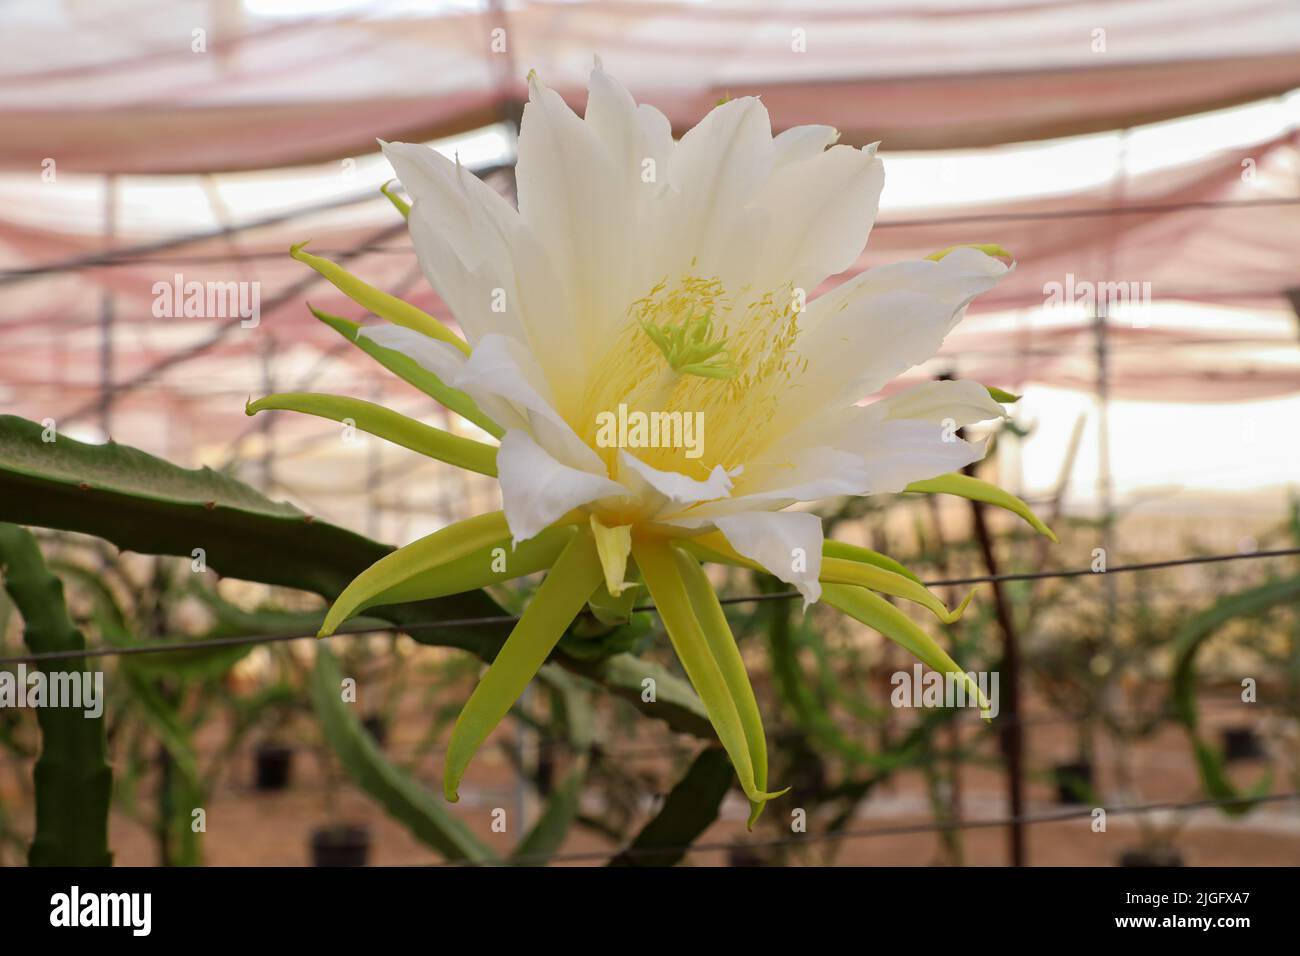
(112, 257)
(1251, 339)
(1093, 211)
(900, 830)
(496, 619)
(684, 745)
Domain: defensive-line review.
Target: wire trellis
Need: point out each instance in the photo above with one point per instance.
(503, 619)
(632, 852)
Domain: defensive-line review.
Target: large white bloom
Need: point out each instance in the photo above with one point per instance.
(620, 228)
(652, 281)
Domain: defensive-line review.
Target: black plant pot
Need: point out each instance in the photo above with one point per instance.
(377, 728)
(1151, 856)
(340, 844)
(1241, 743)
(274, 763)
(740, 855)
(1073, 782)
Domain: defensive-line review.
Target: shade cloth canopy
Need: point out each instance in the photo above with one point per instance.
(1188, 233)
(1203, 230)
(208, 85)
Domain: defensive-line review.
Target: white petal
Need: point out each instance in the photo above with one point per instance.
(656, 136)
(801, 142)
(726, 157)
(897, 453)
(536, 490)
(678, 487)
(783, 542)
(631, 133)
(715, 172)
(455, 201)
(478, 255)
(881, 323)
(573, 194)
(896, 316)
(814, 474)
(639, 141)
(502, 369)
(962, 402)
(825, 207)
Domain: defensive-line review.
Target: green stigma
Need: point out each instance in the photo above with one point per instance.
(691, 348)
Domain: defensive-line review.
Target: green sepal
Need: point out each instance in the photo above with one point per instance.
(557, 602)
(375, 300)
(878, 614)
(976, 489)
(479, 569)
(400, 204)
(440, 548)
(853, 552)
(991, 249)
(389, 425)
(722, 644)
(841, 571)
(663, 577)
(412, 372)
(615, 611)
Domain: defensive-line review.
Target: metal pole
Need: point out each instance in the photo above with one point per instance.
(1105, 486)
(1012, 738)
(106, 313)
(1105, 481)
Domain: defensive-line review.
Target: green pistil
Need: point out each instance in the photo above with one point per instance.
(690, 348)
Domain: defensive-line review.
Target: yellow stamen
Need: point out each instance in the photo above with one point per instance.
(688, 347)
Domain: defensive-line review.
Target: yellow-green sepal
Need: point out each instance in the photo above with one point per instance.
(442, 547)
(877, 613)
(988, 248)
(557, 602)
(976, 489)
(841, 571)
(614, 611)
(400, 204)
(857, 566)
(387, 424)
(375, 300)
(853, 552)
(412, 372)
(614, 545)
(663, 576)
(722, 644)
(491, 564)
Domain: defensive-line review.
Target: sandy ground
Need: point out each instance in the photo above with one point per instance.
(247, 827)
